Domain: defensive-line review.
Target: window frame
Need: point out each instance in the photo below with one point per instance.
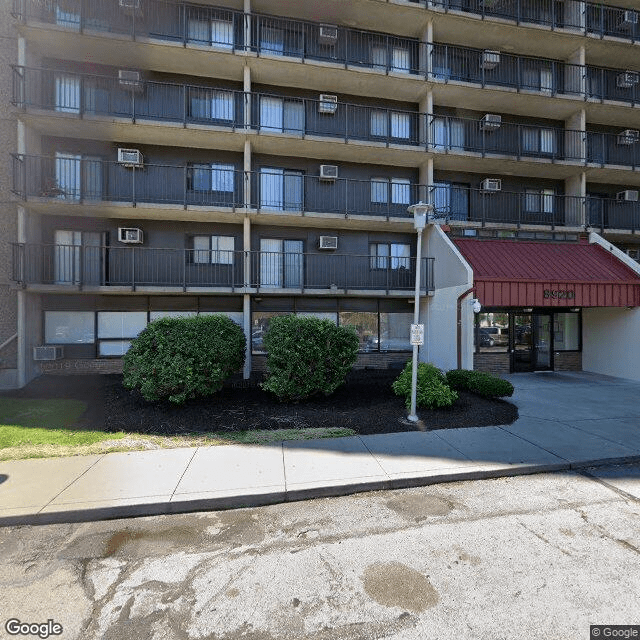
(213, 254)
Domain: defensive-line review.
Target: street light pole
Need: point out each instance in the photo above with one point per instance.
(419, 212)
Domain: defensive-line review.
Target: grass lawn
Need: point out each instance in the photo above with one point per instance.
(32, 428)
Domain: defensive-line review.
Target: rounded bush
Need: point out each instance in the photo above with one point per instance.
(479, 382)
(432, 390)
(177, 359)
(307, 356)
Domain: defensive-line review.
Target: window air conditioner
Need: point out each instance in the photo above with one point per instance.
(130, 157)
(630, 195)
(628, 136)
(627, 79)
(328, 172)
(328, 242)
(48, 353)
(491, 184)
(628, 19)
(490, 59)
(633, 253)
(131, 6)
(130, 79)
(128, 235)
(327, 34)
(327, 103)
(490, 122)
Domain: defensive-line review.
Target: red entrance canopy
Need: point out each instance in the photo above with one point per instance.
(512, 273)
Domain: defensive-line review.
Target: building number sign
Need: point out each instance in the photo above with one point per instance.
(559, 294)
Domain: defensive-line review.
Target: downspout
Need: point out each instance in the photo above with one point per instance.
(460, 297)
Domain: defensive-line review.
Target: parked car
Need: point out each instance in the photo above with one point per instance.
(499, 335)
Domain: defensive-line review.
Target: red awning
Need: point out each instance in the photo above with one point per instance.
(510, 273)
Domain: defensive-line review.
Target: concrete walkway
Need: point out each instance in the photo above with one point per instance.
(567, 421)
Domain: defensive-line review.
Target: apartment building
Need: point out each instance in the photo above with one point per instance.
(257, 158)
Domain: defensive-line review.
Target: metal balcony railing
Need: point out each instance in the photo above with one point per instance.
(73, 179)
(131, 266)
(228, 31)
(505, 138)
(613, 213)
(621, 149)
(529, 207)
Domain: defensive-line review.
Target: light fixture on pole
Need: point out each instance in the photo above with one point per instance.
(420, 214)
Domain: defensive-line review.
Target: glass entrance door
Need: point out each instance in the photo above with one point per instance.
(522, 349)
(542, 342)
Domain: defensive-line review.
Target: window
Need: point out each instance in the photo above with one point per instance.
(537, 140)
(394, 331)
(281, 263)
(69, 327)
(379, 123)
(400, 58)
(212, 105)
(116, 329)
(539, 78)
(78, 257)
(212, 177)
(566, 332)
(400, 125)
(447, 133)
(213, 249)
(366, 326)
(272, 41)
(383, 254)
(67, 98)
(539, 200)
(214, 32)
(400, 191)
(379, 57)
(491, 333)
(279, 114)
(67, 14)
(281, 189)
(68, 171)
(451, 200)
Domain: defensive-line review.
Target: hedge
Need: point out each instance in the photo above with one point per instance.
(432, 389)
(479, 382)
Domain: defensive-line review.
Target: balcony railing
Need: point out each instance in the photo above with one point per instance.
(228, 31)
(72, 179)
(613, 213)
(132, 267)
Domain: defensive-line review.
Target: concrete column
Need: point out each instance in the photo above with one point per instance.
(247, 23)
(575, 209)
(246, 299)
(248, 178)
(425, 178)
(426, 51)
(426, 113)
(575, 73)
(246, 87)
(575, 142)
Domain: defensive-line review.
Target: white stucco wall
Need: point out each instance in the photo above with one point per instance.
(611, 341)
(453, 276)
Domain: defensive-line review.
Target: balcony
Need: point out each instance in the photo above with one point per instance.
(139, 268)
(265, 40)
(65, 179)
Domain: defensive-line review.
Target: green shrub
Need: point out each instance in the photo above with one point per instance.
(307, 356)
(432, 390)
(479, 382)
(177, 359)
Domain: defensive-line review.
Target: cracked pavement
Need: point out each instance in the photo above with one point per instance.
(529, 556)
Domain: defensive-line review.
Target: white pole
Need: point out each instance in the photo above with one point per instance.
(416, 318)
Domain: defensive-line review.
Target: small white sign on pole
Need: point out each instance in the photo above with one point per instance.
(417, 334)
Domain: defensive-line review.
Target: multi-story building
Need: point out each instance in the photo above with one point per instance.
(257, 158)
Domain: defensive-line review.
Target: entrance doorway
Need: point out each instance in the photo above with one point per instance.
(531, 342)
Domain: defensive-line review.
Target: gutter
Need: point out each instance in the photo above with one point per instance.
(459, 309)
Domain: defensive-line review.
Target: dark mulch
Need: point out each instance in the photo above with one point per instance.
(365, 404)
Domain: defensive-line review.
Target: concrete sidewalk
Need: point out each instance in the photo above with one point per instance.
(566, 421)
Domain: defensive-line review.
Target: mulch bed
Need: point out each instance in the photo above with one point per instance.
(365, 404)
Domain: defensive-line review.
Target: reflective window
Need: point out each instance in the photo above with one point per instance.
(566, 332)
(69, 327)
(366, 325)
(492, 332)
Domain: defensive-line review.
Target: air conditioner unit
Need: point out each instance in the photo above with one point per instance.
(327, 34)
(129, 235)
(490, 122)
(130, 157)
(327, 103)
(130, 79)
(131, 6)
(491, 4)
(48, 353)
(328, 172)
(630, 195)
(633, 253)
(491, 185)
(490, 59)
(628, 136)
(328, 242)
(627, 79)
(628, 20)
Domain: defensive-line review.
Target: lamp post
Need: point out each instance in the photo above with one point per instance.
(420, 213)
